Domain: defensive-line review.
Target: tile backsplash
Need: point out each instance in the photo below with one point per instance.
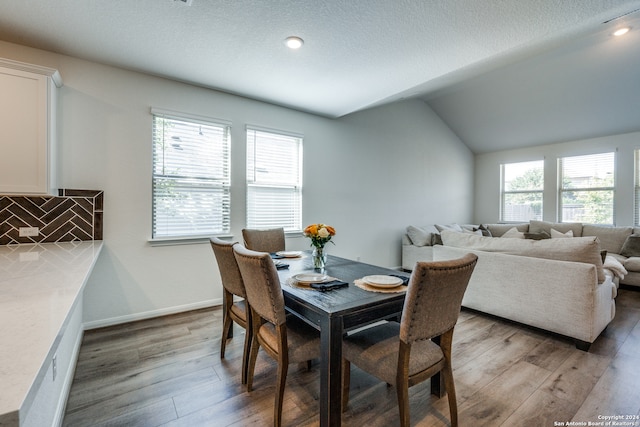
(73, 215)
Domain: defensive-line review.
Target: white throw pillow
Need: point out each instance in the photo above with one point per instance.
(555, 234)
(513, 233)
(452, 227)
(418, 236)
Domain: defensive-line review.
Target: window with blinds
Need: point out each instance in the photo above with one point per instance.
(274, 180)
(191, 177)
(587, 188)
(522, 188)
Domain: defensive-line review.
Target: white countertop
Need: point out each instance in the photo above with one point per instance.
(39, 285)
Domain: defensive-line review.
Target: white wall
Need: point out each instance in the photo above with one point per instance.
(369, 175)
(487, 179)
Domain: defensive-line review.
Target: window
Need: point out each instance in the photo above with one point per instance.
(587, 186)
(191, 179)
(274, 180)
(522, 187)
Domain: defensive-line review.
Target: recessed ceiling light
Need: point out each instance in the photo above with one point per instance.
(294, 42)
(621, 31)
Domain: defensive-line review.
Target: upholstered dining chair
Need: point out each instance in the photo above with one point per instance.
(233, 311)
(268, 240)
(403, 354)
(285, 338)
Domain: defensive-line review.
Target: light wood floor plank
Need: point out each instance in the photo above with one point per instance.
(168, 372)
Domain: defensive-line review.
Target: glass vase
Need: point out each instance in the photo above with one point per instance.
(319, 256)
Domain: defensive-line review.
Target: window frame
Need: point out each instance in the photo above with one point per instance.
(504, 192)
(204, 183)
(254, 183)
(562, 190)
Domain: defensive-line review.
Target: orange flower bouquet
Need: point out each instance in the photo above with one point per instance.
(320, 235)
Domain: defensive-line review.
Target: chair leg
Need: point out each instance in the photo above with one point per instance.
(447, 373)
(451, 393)
(226, 327)
(283, 367)
(245, 355)
(346, 382)
(402, 390)
(253, 355)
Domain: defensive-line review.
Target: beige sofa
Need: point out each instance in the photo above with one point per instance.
(559, 285)
(417, 242)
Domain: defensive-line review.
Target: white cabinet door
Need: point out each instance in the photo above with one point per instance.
(26, 132)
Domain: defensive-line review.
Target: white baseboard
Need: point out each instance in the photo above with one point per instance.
(150, 314)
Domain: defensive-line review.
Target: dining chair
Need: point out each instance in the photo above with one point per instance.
(233, 311)
(268, 240)
(286, 339)
(404, 354)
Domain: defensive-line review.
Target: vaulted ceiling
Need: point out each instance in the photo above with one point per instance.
(501, 74)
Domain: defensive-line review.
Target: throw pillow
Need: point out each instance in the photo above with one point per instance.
(536, 226)
(474, 231)
(484, 230)
(452, 227)
(555, 234)
(436, 239)
(631, 246)
(418, 236)
(537, 236)
(513, 233)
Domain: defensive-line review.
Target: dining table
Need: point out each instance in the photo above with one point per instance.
(336, 311)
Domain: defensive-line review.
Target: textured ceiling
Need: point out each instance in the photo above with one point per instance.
(357, 53)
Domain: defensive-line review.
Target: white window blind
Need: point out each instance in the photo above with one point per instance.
(191, 177)
(274, 180)
(522, 188)
(587, 188)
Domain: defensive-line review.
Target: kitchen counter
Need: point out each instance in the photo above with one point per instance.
(40, 288)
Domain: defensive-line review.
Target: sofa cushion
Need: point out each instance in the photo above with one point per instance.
(631, 246)
(536, 226)
(579, 249)
(497, 230)
(419, 236)
(513, 233)
(555, 234)
(611, 238)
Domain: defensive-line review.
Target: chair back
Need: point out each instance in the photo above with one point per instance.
(434, 296)
(228, 266)
(270, 240)
(262, 284)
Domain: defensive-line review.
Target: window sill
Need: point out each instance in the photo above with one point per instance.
(187, 240)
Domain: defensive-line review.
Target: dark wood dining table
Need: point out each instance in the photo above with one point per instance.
(336, 311)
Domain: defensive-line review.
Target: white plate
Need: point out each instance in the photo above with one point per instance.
(382, 281)
(310, 277)
(289, 254)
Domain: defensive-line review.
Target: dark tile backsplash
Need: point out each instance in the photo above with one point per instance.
(73, 215)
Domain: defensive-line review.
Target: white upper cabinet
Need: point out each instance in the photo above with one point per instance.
(27, 128)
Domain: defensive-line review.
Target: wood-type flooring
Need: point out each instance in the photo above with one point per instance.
(167, 371)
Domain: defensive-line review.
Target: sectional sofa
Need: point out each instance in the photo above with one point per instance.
(559, 284)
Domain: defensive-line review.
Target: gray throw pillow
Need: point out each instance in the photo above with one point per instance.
(631, 246)
(436, 239)
(484, 230)
(537, 236)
